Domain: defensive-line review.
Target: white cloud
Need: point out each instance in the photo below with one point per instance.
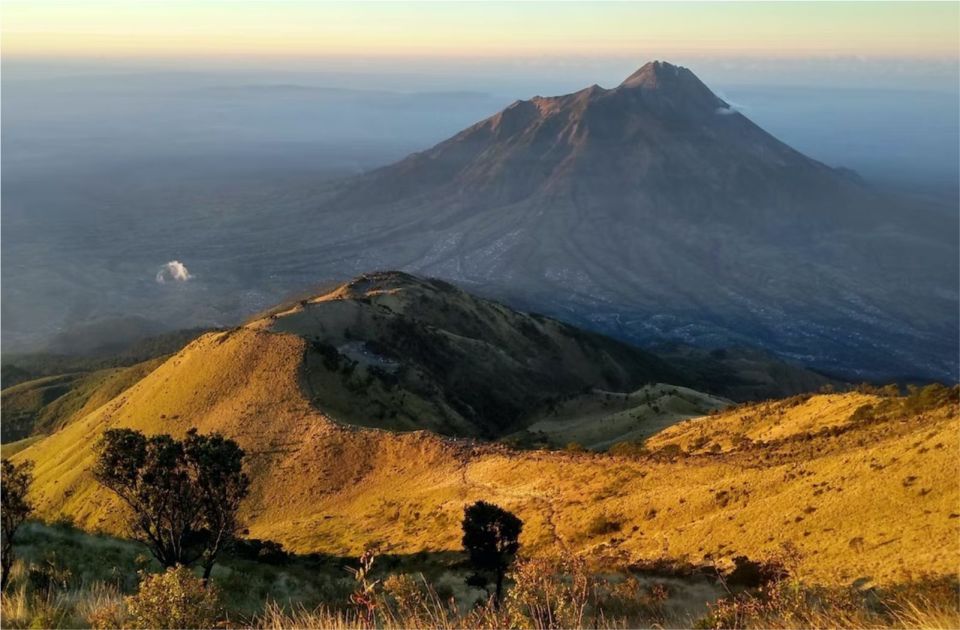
(174, 271)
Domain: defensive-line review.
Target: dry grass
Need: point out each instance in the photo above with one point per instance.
(565, 591)
(870, 500)
(74, 608)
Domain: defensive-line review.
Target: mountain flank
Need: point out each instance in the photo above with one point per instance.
(654, 211)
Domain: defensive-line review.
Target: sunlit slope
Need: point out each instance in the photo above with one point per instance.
(876, 498)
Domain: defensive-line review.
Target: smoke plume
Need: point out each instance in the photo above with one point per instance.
(173, 271)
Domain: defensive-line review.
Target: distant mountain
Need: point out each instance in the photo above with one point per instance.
(656, 211)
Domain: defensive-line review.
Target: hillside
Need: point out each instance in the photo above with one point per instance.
(399, 352)
(43, 405)
(599, 419)
(655, 211)
(743, 373)
(859, 494)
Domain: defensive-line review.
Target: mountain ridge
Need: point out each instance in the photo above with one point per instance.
(320, 486)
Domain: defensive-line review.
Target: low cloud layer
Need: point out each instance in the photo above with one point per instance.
(173, 271)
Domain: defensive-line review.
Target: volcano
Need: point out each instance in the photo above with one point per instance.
(656, 211)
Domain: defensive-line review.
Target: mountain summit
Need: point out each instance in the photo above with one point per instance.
(660, 140)
(655, 74)
(675, 87)
(653, 210)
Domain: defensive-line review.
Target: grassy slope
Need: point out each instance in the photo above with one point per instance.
(844, 499)
(46, 404)
(599, 419)
(21, 404)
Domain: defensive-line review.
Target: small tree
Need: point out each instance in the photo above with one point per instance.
(491, 537)
(15, 480)
(183, 496)
(216, 468)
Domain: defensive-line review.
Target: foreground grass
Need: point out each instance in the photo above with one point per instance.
(68, 579)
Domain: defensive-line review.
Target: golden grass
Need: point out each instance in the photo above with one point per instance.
(872, 500)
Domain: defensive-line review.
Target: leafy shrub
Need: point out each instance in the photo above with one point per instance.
(930, 397)
(175, 598)
(266, 551)
(863, 413)
(109, 614)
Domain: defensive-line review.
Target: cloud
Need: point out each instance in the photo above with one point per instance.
(174, 271)
(727, 106)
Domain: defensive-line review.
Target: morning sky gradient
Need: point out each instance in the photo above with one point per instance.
(78, 28)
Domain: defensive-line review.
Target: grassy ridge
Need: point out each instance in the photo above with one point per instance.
(860, 499)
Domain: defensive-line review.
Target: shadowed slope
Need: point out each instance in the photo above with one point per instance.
(43, 405)
(395, 351)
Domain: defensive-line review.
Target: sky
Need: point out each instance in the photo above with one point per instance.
(222, 28)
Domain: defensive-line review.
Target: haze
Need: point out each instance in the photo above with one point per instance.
(129, 143)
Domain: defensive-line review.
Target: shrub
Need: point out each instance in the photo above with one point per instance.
(109, 614)
(551, 593)
(603, 524)
(15, 480)
(175, 598)
(491, 538)
(863, 413)
(629, 448)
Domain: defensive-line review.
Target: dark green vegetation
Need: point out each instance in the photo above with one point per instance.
(182, 496)
(491, 539)
(743, 373)
(43, 405)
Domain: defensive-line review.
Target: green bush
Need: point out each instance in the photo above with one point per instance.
(175, 598)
